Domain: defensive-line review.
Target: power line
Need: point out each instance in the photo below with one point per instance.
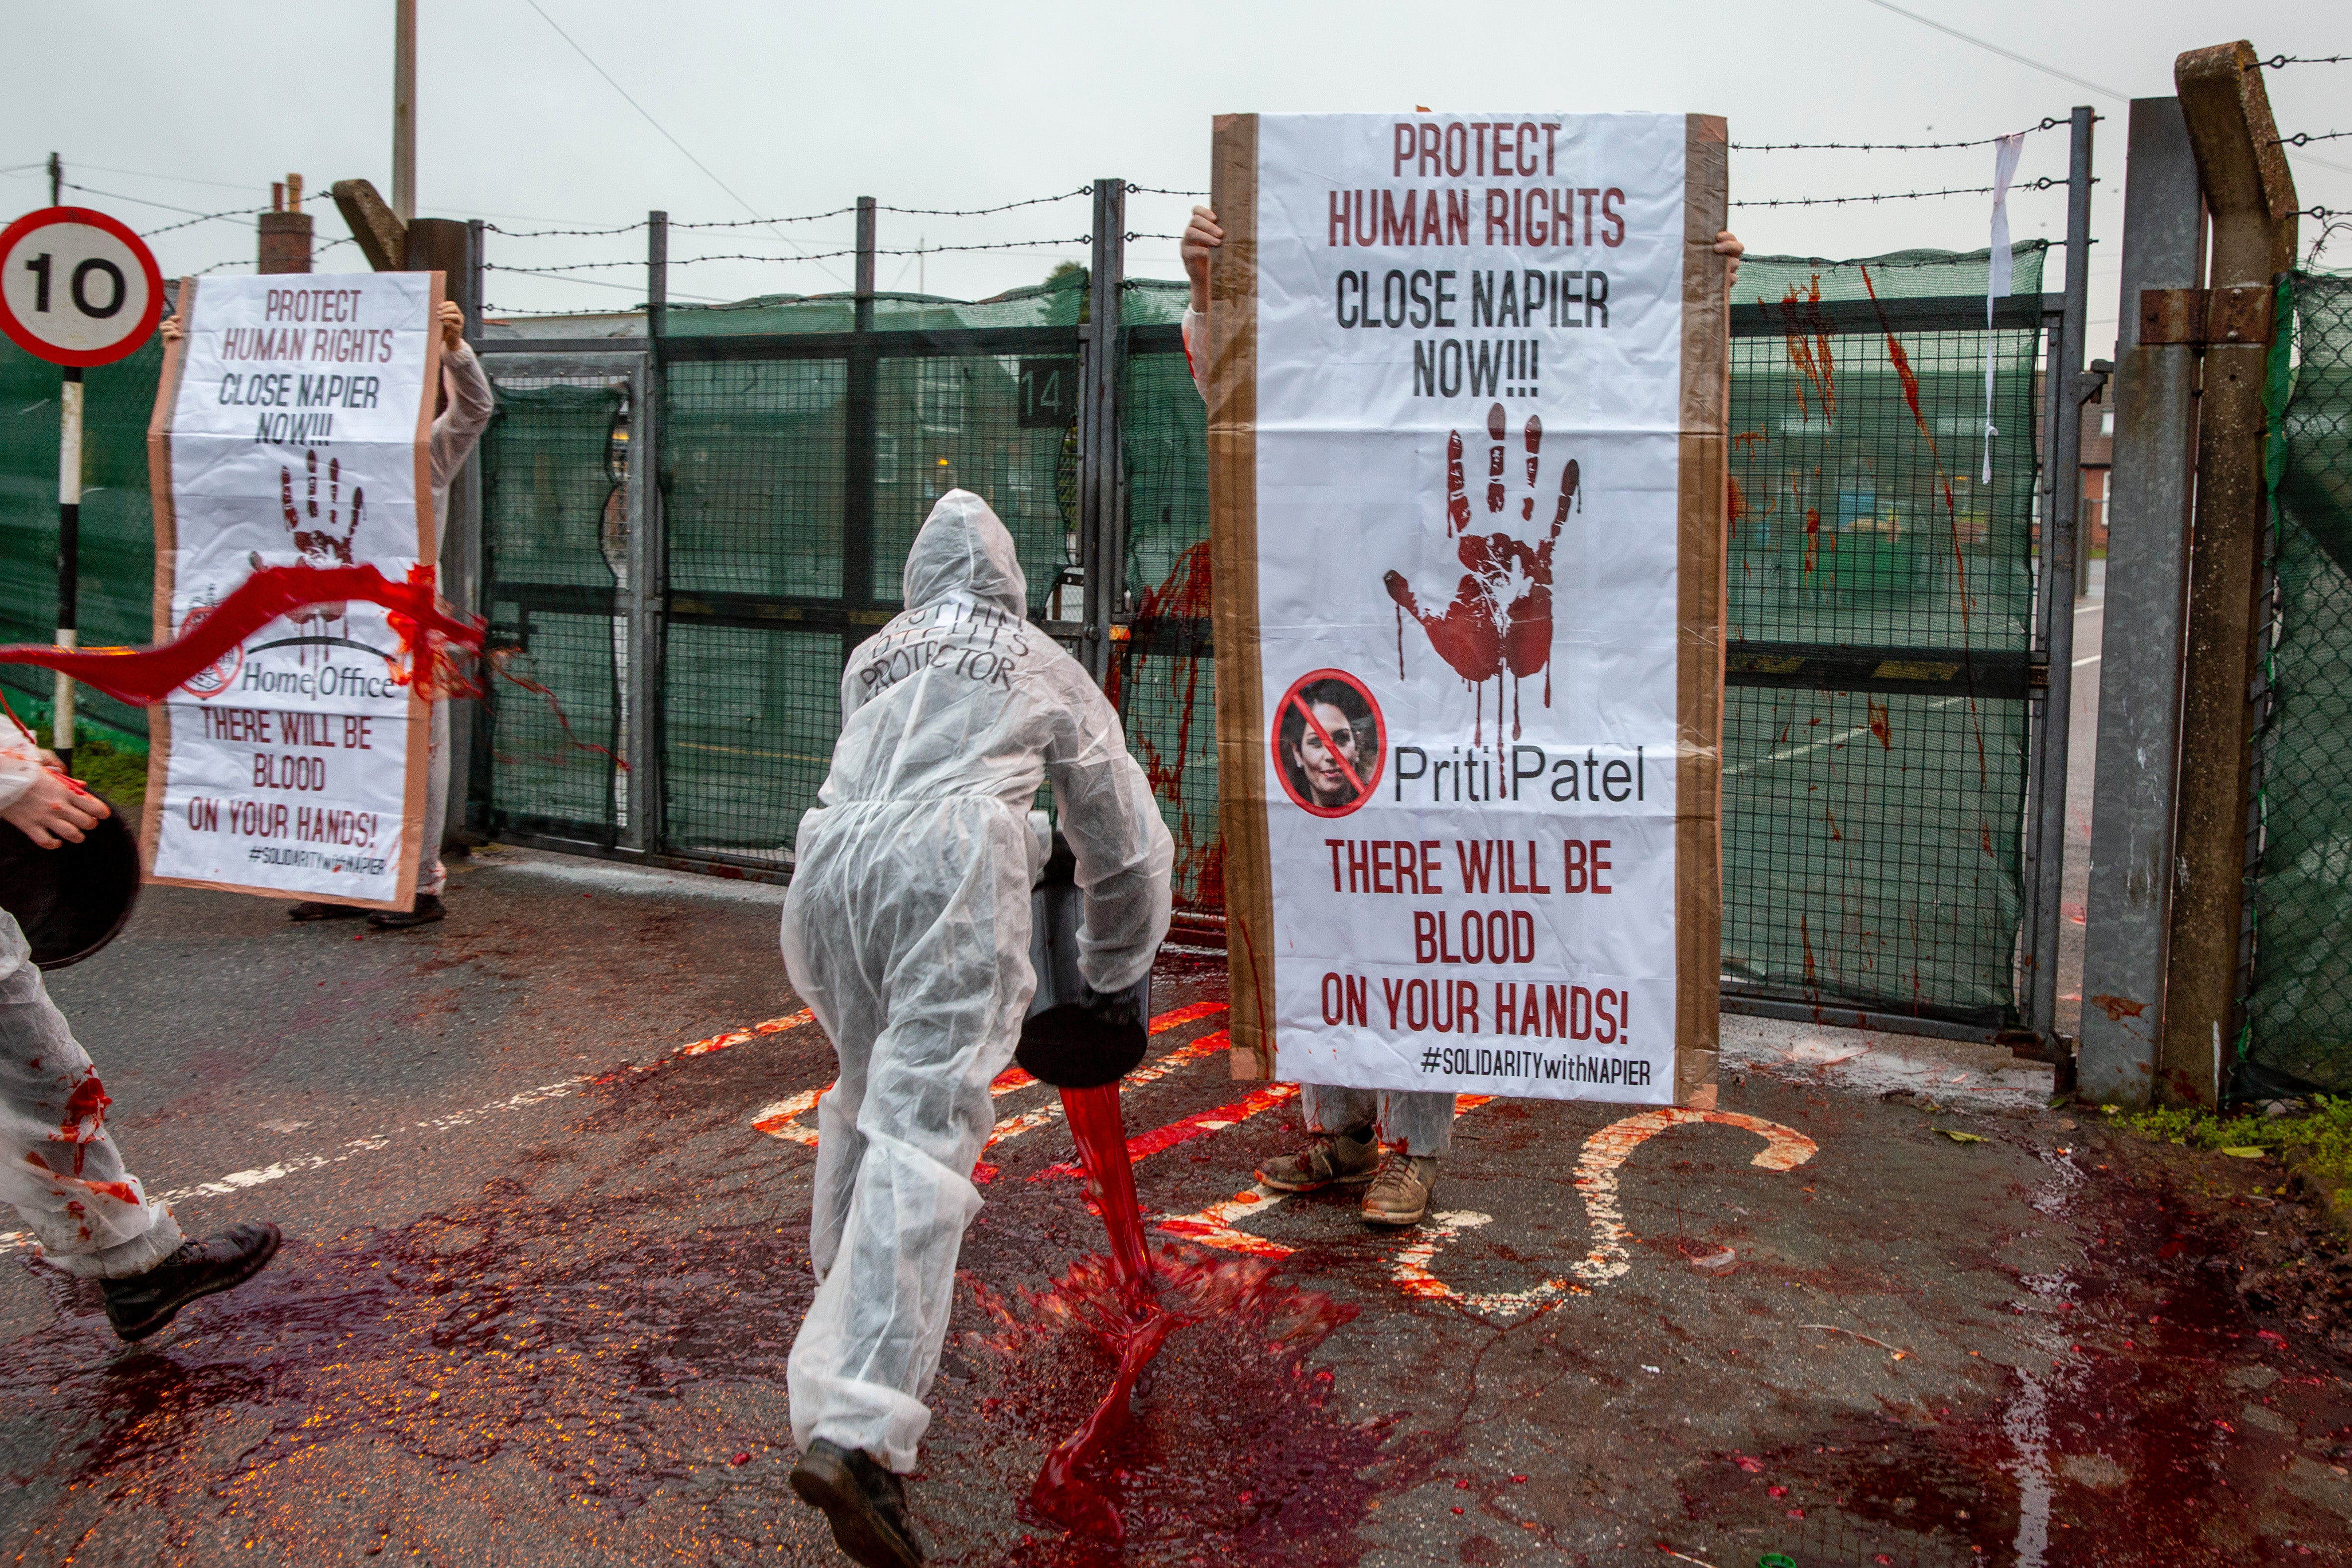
(2006, 54)
(656, 125)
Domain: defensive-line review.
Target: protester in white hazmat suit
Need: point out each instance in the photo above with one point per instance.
(907, 931)
(59, 1167)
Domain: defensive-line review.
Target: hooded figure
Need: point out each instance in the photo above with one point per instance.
(907, 931)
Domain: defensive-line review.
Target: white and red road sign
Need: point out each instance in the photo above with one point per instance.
(77, 288)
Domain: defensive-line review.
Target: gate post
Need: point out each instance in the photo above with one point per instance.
(2064, 394)
(2251, 193)
(1102, 544)
(649, 562)
(2130, 906)
(861, 385)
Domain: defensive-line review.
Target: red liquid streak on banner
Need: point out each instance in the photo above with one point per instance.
(143, 675)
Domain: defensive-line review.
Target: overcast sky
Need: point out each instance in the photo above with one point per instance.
(799, 109)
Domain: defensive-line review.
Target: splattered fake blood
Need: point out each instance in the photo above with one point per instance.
(1131, 1302)
(141, 675)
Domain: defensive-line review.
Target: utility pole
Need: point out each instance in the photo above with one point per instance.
(403, 109)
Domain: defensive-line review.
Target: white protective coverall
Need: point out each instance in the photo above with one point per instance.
(58, 1164)
(907, 931)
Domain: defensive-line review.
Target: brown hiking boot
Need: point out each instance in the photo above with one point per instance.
(1401, 1193)
(1328, 1158)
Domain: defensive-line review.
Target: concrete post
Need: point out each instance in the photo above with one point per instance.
(2155, 471)
(2251, 195)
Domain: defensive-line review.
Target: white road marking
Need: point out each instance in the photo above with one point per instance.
(298, 1164)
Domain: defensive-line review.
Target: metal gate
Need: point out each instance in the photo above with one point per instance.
(686, 532)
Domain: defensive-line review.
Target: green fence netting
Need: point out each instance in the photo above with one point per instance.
(2299, 1002)
(118, 527)
(1882, 637)
(792, 485)
(555, 536)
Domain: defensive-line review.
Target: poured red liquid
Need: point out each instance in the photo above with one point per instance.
(1061, 1493)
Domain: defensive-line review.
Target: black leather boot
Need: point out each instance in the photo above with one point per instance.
(140, 1304)
(865, 1503)
(318, 910)
(424, 912)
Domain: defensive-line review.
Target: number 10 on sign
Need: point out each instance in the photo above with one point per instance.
(78, 290)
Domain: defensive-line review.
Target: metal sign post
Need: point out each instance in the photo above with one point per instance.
(77, 288)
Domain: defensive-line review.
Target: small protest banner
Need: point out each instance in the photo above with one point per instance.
(291, 429)
(1468, 378)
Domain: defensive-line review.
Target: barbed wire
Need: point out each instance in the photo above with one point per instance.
(1132, 234)
(576, 232)
(983, 212)
(1161, 191)
(2048, 122)
(2305, 138)
(761, 222)
(2277, 61)
(562, 268)
(2045, 183)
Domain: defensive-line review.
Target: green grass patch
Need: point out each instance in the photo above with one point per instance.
(2318, 1140)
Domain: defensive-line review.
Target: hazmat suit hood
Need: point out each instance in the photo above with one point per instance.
(964, 548)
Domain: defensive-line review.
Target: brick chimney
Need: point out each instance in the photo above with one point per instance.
(286, 229)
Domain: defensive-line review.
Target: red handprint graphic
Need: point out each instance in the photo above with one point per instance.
(1500, 619)
(321, 541)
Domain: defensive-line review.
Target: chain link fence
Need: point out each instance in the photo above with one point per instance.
(2298, 1032)
(1883, 659)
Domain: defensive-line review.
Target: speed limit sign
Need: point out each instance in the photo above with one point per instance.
(77, 288)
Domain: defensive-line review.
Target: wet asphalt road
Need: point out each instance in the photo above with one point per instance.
(541, 1278)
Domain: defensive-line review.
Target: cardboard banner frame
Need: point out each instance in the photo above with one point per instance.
(418, 718)
(1703, 511)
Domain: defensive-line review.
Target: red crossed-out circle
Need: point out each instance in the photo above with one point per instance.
(1294, 705)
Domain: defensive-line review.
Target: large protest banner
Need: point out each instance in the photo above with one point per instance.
(1468, 382)
(292, 427)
